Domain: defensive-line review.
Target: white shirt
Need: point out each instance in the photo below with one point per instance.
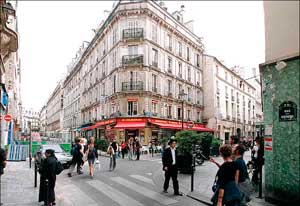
(173, 156)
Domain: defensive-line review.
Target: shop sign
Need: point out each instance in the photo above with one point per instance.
(288, 111)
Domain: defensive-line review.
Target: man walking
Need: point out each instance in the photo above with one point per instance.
(77, 158)
(169, 161)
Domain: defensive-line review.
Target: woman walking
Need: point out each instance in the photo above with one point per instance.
(48, 178)
(123, 148)
(226, 192)
(111, 153)
(92, 154)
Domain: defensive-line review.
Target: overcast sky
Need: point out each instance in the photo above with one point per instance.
(52, 31)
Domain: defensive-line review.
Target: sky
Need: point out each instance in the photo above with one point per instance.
(51, 32)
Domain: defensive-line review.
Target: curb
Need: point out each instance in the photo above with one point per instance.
(199, 200)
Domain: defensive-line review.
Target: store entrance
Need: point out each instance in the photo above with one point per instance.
(131, 133)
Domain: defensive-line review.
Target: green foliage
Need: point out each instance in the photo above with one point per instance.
(101, 144)
(187, 138)
(164, 142)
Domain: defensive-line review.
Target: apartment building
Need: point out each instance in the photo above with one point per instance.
(229, 101)
(54, 114)
(131, 74)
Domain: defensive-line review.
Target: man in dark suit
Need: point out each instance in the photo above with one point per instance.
(169, 161)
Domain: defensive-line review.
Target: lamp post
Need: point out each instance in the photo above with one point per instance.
(30, 144)
(182, 94)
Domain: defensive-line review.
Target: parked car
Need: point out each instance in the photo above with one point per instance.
(64, 158)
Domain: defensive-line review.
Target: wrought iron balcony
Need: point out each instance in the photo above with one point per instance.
(227, 117)
(132, 86)
(132, 59)
(154, 89)
(133, 33)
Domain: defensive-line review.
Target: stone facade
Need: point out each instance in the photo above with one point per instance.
(229, 101)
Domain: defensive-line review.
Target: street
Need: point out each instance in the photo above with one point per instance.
(130, 184)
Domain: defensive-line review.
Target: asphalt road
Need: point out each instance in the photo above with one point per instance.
(131, 184)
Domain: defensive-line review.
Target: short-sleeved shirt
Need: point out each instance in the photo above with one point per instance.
(226, 173)
(241, 166)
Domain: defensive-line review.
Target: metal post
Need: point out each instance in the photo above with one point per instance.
(47, 193)
(182, 114)
(35, 174)
(193, 167)
(30, 144)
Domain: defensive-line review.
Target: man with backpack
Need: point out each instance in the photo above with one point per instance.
(77, 153)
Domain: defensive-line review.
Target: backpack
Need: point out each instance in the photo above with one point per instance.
(74, 150)
(59, 167)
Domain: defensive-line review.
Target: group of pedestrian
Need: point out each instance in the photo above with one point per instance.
(83, 151)
(232, 185)
(131, 148)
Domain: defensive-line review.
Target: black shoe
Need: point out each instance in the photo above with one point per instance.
(177, 194)
(69, 175)
(80, 173)
(165, 191)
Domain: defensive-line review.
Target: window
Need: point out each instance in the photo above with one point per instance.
(169, 41)
(179, 48)
(114, 84)
(114, 40)
(154, 83)
(226, 76)
(197, 60)
(179, 88)
(169, 111)
(154, 107)
(154, 32)
(188, 53)
(180, 69)
(226, 108)
(232, 110)
(217, 69)
(132, 108)
(232, 80)
(189, 114)
(133, 49)
(169, 86)
(218, 102)
(226, 93)
(154, 57)
(179, 113)
(189, 94)
(189, 73)
(170, 64)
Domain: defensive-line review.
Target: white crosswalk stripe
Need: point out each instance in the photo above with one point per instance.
(144, 191)
(117, 196)
(143, 179)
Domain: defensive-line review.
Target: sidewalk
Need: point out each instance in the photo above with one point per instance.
(17, 185)
(203, 180)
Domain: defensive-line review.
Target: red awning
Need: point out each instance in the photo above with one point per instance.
(202, 129)
(169, 126)
(130, 125)
(89, 128)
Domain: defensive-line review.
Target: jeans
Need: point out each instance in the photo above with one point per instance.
(112, 163)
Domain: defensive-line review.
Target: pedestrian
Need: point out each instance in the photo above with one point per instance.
(2, 164)
(226, 180)
(130, 148)
(92, 154)
(77, 153)
(244, 183)
(48, 178)
(111, 153)
(258, 159)
(123, 148)
(137, 149)
(115, 146)
(169, 160)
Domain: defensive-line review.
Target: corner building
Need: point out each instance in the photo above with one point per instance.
(133, 71)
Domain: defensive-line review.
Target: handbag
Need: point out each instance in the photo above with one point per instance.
(231, 193)
(214, 187)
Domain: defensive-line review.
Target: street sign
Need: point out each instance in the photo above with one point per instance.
(7, 118)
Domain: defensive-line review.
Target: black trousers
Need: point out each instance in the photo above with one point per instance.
(171, 172)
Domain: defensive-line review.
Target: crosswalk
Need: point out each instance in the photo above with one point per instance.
(133, 190)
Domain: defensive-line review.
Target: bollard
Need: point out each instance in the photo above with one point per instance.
(47, 193)
(35, 174)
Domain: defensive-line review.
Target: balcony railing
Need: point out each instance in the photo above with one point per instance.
(170, 94)
(132, 86)
(133, 33)
(233, 119)
(227, 117)
(132, 59)
(249, 122)
(154, 89)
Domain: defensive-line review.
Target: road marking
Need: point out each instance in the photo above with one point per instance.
(143, 179)
(112, 193)
(149, 173)
(144, 191)
(66, 196)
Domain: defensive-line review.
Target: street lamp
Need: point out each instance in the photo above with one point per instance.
(182, 94)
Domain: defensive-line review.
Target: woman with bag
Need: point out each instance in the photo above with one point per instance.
(227, 192)
(91, 154)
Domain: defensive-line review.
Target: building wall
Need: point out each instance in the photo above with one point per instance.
(282, 162)
(282, 19)
(222, 85)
